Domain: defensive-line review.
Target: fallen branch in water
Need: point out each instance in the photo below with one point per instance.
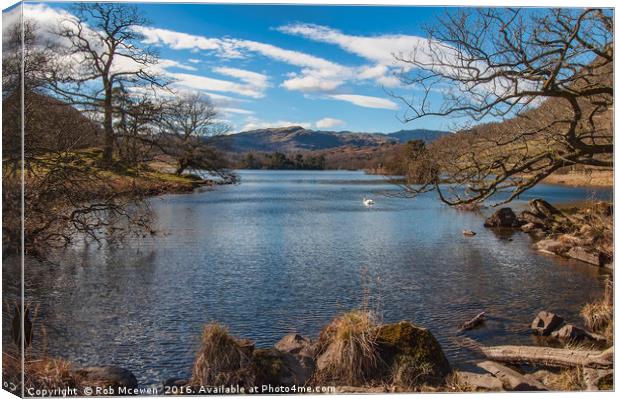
(550, 356)
(476, 321)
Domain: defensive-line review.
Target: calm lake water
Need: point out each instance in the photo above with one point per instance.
(286, 251)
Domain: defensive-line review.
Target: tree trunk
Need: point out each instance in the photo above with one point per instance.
(108, 129)
(181, 168)
(551, 356)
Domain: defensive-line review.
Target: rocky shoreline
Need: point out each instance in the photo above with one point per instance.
(585, 235)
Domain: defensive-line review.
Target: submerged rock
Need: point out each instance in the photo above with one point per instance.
(546, 322)
(504, 217)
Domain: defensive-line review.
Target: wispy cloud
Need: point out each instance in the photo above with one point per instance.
(366, 101)
(198, 82)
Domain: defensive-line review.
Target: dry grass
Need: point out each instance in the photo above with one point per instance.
(222, 359)
(43, 373)
(456, 384)
(566, 380)
(599, 315)
(348, 349)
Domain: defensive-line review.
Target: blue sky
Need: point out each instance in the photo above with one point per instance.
(323, 67)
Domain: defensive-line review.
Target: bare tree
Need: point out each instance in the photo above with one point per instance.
(547, 74)
(187, 122)
(101, 40)
(66, 197)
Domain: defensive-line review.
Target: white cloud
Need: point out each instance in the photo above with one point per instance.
(327, 123)
(166, 63)
(365, 101)
(255, 79)
(230, 110)
(210, 84)
(194, 61)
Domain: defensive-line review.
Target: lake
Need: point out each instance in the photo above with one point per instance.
(286, 251)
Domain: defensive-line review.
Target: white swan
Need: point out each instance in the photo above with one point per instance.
(368, 202)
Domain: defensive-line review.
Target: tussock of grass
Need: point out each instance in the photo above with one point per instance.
(43, 373)
(599, 315)
(222, 359)
(348, 349)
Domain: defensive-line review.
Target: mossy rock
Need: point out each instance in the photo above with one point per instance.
(274, 367)
(411, 354)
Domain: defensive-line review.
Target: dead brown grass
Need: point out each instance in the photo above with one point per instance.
(44, 373)
(222, 359)
(599, 315)
(347, 347)
(565, 380)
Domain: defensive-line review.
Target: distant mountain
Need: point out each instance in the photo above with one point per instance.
(418, 134)
(297, 139)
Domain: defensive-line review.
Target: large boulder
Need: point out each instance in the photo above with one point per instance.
(107, 376)
(411, 354)
(546, 322)
(296, 344)
(274, 367)
(504, 217)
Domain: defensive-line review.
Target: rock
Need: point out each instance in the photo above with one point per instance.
(511, 379)
(543, 209)
(411, 354)
(469, 233)
(528, 227)
(480, 382)
(569, 332)
(551, 246)
(546, 322)
(295, 344)
(504, 217)
(527, 217)
(592, 257)
(107, 376)
(541, 375)
(594, 378)
(275, 367)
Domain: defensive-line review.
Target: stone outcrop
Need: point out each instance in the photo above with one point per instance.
(504, 217)
(546, 322)
(511, 379)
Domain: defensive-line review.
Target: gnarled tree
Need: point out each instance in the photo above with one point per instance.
(539, 85)
(103, 40)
